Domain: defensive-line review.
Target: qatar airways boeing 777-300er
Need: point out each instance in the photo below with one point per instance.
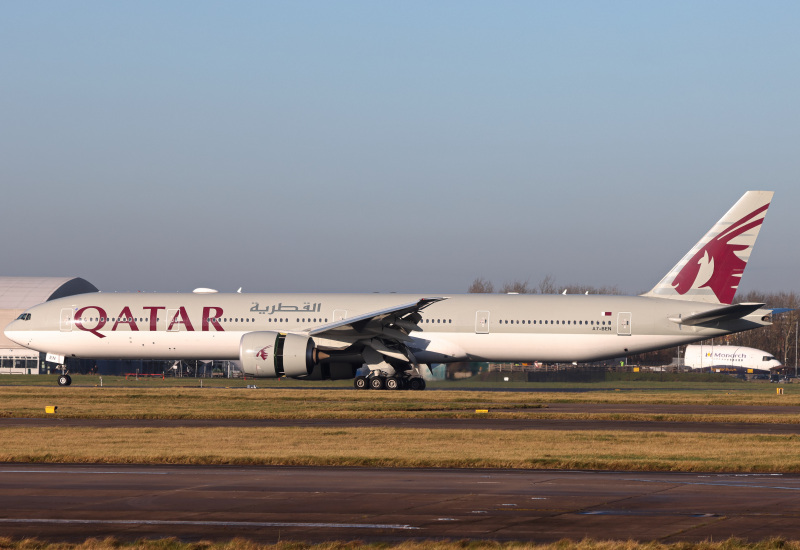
(381, 339)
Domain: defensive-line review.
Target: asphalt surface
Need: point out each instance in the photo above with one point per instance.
(777, 426)
(71, 503)
(266, 504)
(416, 423)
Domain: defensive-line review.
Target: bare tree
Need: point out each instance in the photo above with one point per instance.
(481, 286)
(583, 289)
(548, 285)
(517, 287)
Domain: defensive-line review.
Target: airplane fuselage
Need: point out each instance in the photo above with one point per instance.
(471, 327)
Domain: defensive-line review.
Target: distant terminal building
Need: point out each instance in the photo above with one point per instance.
(18, 294)
(729, 357)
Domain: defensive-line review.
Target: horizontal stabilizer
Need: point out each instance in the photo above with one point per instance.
(727, 313)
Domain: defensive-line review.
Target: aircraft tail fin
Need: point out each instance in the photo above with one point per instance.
(712, 270)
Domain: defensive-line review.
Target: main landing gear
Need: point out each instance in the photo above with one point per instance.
(381, 382)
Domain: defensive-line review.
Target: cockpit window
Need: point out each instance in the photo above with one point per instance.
(24, 317)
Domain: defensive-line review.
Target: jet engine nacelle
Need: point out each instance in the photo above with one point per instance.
(274, 354)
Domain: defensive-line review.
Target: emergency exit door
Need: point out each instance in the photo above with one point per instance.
(482, 322)
(66, 320)
(624, 324)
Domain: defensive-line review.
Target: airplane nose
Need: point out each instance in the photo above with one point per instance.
(12, 334)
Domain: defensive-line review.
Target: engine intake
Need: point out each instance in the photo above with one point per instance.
(274, 354)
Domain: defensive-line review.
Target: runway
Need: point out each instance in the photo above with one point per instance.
(267, 504)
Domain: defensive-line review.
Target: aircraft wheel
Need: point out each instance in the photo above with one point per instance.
(376, 383)
(392, 383)
(361, 383)
(416, 384)
(64, 380)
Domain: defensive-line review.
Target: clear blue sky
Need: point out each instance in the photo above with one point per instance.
(392, 146)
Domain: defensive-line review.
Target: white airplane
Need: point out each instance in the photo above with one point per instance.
(320, 336)
(706, 356)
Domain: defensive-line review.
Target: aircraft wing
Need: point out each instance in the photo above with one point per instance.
(392, 323)
(727, 313)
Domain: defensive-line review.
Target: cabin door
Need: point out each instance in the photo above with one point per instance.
(66, 320)
(482, 322)
(624, 324)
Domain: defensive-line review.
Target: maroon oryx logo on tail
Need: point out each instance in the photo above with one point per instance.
(263, 354)
(719, 261)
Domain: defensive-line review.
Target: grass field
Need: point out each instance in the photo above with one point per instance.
(405, 448)
(159, 399)
(184, 398)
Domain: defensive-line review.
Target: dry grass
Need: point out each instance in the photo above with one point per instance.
(386, 446)
(243, 403)
(242, 544)
(604, 450)
(171, 402)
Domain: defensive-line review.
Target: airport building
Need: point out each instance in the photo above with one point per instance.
(18, 294)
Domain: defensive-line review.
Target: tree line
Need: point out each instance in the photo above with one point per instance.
(545, 286)
(779, 339)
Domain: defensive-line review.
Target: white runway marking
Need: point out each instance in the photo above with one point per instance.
(717, 484)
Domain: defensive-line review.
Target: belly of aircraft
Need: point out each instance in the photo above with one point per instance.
(547, 348)
(140, 345)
